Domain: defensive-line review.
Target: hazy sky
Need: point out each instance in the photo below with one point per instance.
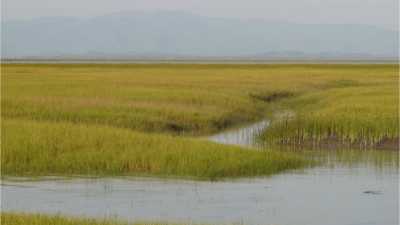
(382, 13)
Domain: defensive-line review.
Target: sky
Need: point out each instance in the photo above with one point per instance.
(381, 13)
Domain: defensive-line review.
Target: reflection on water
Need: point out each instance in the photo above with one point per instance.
(352, 187)
(377, 159)
(316, 196)
(245, 136)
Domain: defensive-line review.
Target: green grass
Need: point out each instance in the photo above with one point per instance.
(183, 99)
(44, 148)
(141, 119)
(39, 219)
(153, 98)
(353, 115)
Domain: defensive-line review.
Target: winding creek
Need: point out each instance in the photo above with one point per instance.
(360, 188)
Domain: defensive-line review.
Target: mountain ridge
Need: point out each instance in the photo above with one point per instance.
(181, 34)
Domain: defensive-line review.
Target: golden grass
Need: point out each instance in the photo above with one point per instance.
(39, 219)
(44, 148)
(190, 99)
(362, 116)
(109, 119)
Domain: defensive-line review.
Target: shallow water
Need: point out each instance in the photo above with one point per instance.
(244, 136)
(353, 188)
(316, 196)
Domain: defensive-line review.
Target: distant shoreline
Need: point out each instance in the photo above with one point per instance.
(199, 61)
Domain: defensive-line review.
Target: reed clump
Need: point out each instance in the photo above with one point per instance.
(364, 117)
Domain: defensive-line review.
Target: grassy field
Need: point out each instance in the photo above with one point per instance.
(38, 219)
(190, 99)
(360, 113)
(107, 119)
(32, 148)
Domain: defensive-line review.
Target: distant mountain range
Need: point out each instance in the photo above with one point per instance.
(182, 35)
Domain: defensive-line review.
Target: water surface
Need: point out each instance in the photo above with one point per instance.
(352, 188)
(244, 136)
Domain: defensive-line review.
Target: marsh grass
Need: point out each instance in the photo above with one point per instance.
(191, 100)
(39, 219)
(182, 99)
(126, 119)
(358, 117)
(45, 148)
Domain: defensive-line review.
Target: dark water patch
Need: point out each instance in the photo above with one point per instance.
(373, 192)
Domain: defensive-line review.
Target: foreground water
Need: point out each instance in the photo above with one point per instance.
(353, 188)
